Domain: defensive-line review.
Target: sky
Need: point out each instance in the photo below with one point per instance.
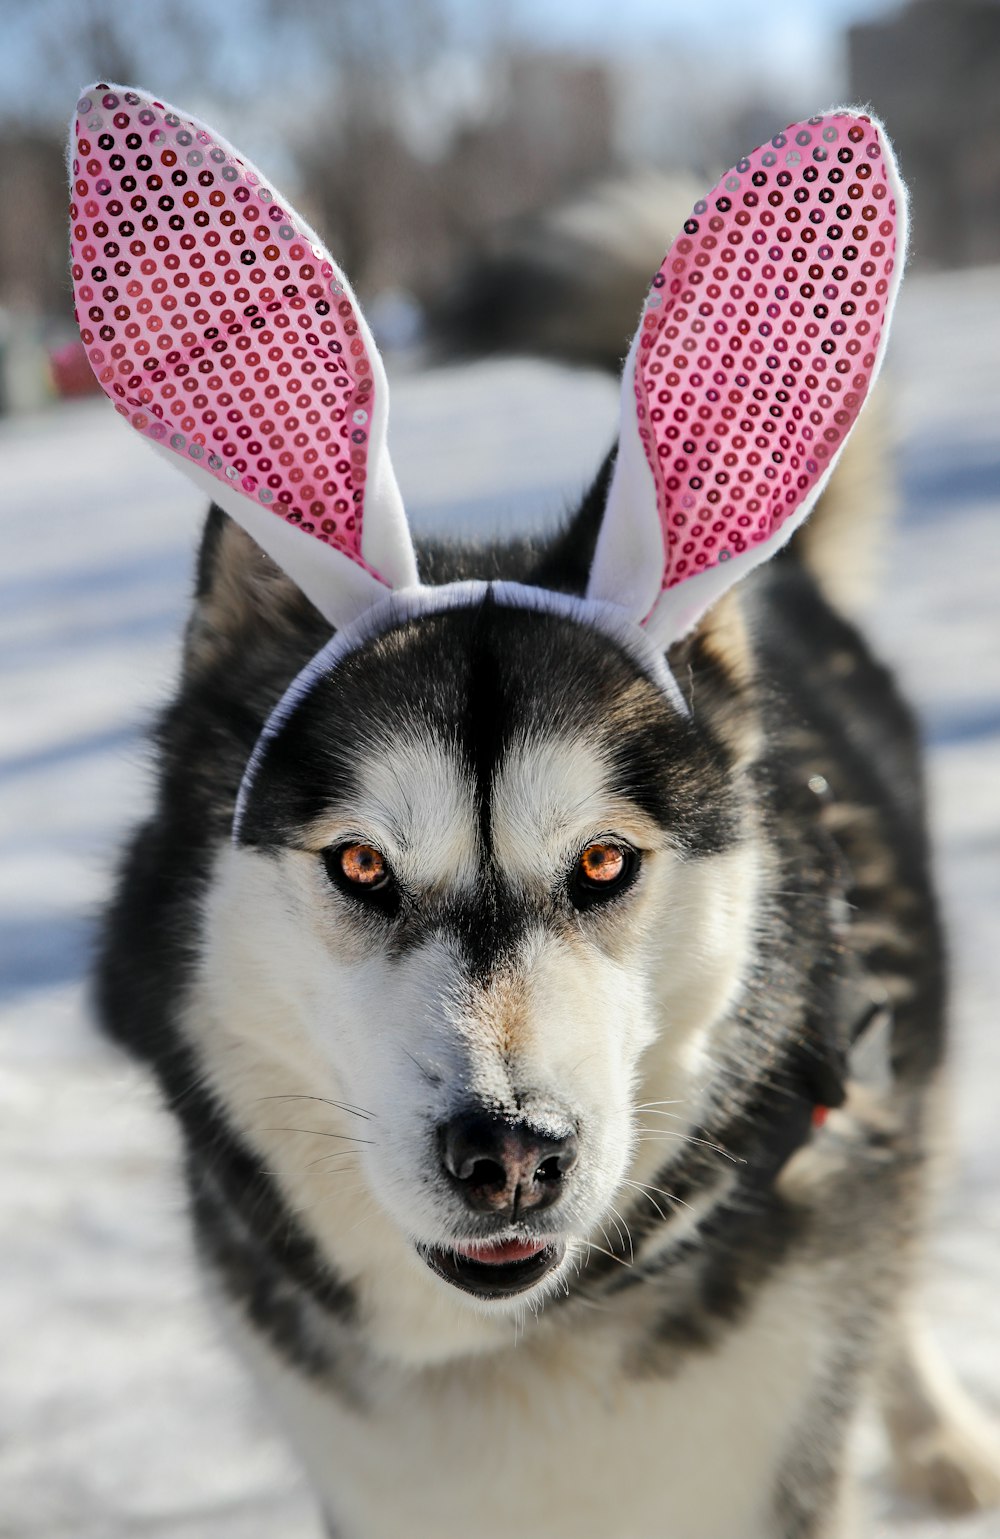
(798, 40)
(786, 30)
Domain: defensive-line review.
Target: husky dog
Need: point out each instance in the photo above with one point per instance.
(540, 956)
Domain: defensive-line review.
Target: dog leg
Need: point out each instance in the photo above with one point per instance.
(944, 1449)
(817, 1495)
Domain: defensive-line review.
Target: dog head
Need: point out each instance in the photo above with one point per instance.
(466, 897)
(453, 870)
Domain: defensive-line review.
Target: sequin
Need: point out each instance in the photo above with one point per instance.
(223, 344)
(760, 337)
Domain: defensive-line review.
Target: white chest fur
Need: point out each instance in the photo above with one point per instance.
(557, 1437)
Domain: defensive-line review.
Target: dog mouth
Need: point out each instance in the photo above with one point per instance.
(495, 1271)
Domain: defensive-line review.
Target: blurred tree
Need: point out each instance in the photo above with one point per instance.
(362, 179)
(64, 44)
(186, 46)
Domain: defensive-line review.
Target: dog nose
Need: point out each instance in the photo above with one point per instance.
(503, 1166)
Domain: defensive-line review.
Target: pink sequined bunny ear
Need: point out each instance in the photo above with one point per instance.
(762, 335)
(221, 329)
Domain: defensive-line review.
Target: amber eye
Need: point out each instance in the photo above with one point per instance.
(603, 869)
(363, 865)
(602, 862)
(362, 873)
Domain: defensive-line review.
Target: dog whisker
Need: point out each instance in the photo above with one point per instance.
(645, 1188)
(611, 1255)
(337, 1154)
(295, 1170)
(628, 1232)
(689, 1138)
(651, 1200)
(347, 1106)
(319, 1133)
(365, 1218)
(430, 1075)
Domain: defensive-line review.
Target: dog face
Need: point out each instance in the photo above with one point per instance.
(471, 872)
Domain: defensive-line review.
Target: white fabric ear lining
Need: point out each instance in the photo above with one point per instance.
(341, 589)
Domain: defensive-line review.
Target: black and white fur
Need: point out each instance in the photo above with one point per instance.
(731, 1281)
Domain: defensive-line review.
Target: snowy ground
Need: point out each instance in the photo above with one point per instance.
(119, 1414)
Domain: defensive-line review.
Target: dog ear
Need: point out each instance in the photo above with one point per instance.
(762, 335)
(222, 330)
(244, 603)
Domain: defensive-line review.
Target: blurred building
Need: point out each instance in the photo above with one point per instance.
(34, 244)
(933, 72)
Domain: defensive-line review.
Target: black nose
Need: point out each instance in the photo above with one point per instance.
(503, 1166)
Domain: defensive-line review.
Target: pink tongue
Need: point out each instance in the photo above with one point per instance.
(510, 1250)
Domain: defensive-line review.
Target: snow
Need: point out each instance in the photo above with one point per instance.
(120, 1412)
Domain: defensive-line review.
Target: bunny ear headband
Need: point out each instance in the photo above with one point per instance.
(223, 331)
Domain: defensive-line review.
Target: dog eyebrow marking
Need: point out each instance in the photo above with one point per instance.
(550, 794)
(544, 792)
(418, 799)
